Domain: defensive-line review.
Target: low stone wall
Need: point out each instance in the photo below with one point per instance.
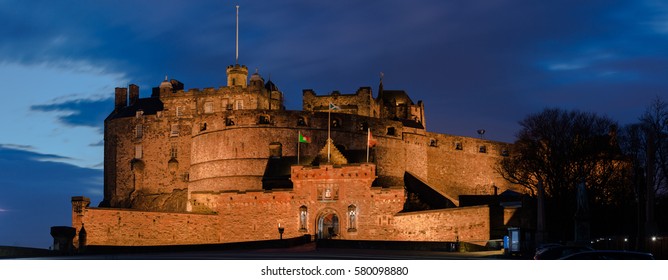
(465, 224)
(131, 228)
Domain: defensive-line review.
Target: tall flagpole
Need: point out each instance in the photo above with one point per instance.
(368, 140)
(237, 39)
(298, 144)
(329, 136)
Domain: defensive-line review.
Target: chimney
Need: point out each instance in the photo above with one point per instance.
(121, 98)
(134, 94)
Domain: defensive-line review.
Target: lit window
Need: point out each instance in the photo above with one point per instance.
(138, 152)
(174, 131)
(174, 151)
(303, 211)
(352, 218)
(208, 107)
(139, 131)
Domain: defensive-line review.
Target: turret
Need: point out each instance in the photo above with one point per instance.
(121, 98)
(256, 81)
(237, 75)
(165, 86)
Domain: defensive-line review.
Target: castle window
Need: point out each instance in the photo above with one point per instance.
(174, 151)
(208, 107)
(263, 119)
(179, 111)
(391, 131)
(303, 211)
(139, 153)
(301, 121)
(202, 127)
(433, 143)
(139, 131)
(336, 123)
(229, 121)
(240, 104)
(505, 152)
(174, 130)
(275, 150)
(483, 149)
(352, 218)
(458, 146)
(363, 126)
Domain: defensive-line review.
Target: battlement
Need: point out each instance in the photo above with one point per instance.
(237, 67)
(324, 172)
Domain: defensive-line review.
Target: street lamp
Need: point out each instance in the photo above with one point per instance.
(280, 231)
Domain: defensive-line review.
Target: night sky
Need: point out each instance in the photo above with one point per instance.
(475, 64)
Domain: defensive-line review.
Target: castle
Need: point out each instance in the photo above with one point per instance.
(220, 165)
(226, 164)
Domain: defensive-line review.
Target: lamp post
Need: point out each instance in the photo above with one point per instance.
(280, 231)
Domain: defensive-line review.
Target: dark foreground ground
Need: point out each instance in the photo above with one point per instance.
(291, 249)
(301, 252)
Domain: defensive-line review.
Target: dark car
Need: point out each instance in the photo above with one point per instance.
(557, 252)
(609, 255)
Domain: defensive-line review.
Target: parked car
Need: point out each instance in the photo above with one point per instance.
(609, 255)
(557, 252)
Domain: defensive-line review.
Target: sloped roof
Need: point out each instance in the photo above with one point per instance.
(150, 106)
(399, 96)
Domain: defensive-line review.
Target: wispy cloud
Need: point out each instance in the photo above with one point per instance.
(80, 112)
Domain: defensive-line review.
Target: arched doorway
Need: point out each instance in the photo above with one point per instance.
(328, 225)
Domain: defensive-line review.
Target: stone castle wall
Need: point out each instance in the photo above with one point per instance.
(123, 227)
(359, 103)
(468, 224)
(215, 156)
(234, 216)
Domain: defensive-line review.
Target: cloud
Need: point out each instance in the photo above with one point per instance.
(80, 112)
(38, 194)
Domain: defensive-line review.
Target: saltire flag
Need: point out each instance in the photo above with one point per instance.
(371, 142)
(304, 138)
(333, 107)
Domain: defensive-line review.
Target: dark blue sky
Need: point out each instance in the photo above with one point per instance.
(475, 64)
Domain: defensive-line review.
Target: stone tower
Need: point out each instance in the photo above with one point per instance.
(237, 75)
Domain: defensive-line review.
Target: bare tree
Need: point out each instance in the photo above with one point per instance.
(556, 150)
(645, 145)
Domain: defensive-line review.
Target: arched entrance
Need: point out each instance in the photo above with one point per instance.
(328, 225)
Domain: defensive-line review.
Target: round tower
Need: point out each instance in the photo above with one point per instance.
(237, 75)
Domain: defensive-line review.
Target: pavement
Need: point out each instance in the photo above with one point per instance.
(303, 252)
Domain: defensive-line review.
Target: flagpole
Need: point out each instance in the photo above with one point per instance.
(329, 136)
(299, 136)
(368, 142)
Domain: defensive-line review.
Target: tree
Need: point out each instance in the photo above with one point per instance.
(555, 150)
(645, 144)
